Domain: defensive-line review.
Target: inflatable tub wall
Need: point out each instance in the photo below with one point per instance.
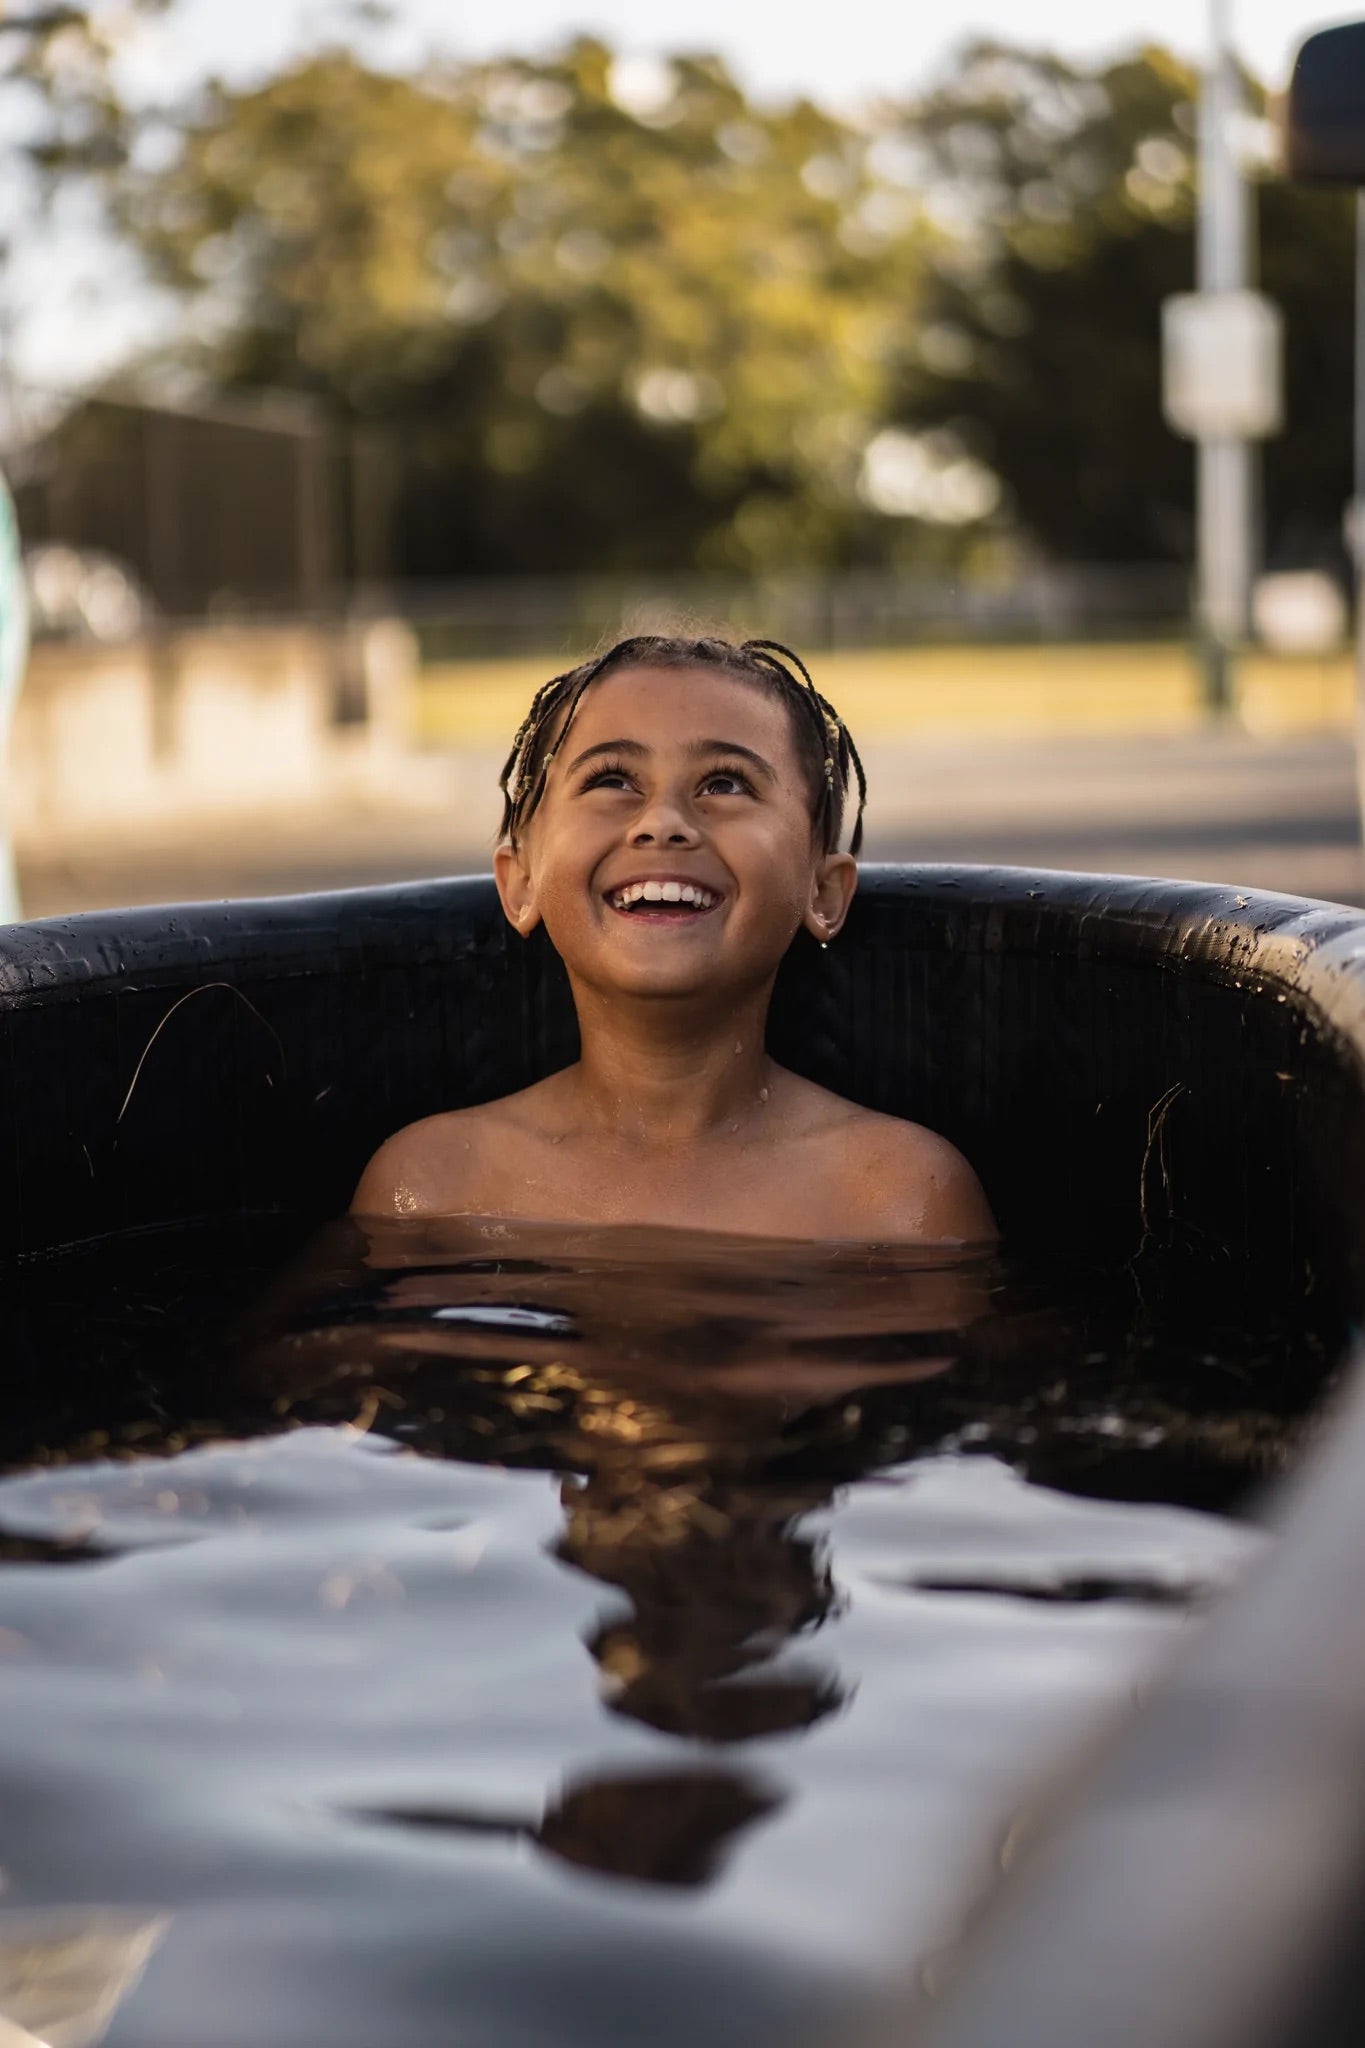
(1139, 1069)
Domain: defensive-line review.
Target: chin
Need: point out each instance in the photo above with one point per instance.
(665, 981)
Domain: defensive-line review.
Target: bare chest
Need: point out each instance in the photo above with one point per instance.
(763, 1189)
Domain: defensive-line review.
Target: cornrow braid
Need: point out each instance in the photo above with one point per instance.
(823, 740)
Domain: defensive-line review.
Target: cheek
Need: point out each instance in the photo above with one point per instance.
(564, 876)
(561, 897)
(564, 856)
(778, 856)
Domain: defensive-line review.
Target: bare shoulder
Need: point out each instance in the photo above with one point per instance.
(920, 1182)
(431, 1167)
(907, 1181)
(899, 1179)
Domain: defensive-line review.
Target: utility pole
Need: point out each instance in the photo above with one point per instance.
(1225, 477)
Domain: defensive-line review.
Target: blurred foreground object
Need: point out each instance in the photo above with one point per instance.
(1325, 111)
(13, 660)
(1324, 143)
(63, 1975)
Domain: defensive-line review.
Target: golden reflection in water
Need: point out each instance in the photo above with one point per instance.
(668, 1828)
(721, 1582)
(669, 1503)
(663, 1374)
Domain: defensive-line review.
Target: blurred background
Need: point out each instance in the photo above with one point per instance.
(361, 366)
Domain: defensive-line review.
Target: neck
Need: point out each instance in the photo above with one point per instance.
(669, 1074)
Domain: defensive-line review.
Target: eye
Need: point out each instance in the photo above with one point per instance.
(607, 775)
(727, 782)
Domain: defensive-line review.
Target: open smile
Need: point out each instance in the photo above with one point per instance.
(662, 899)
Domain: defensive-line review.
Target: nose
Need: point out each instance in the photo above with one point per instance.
(664, 822)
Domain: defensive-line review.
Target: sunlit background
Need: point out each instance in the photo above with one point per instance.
(362, 366)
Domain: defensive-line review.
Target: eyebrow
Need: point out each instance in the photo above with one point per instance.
(636, 749)
(733, 747)
(607, 747)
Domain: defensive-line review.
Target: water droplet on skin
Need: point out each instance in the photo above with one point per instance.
(763, 1094)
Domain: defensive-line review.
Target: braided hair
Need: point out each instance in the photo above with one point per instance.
(823, 742)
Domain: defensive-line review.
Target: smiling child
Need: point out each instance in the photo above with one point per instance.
(673, 817)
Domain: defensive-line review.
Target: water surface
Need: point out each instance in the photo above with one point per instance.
(505, 1636)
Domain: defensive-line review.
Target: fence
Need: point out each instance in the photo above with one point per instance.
(816, 611)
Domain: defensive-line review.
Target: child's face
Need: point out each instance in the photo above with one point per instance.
(687, 781)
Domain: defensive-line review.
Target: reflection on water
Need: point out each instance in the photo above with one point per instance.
(64, 1974)
(561, 1637)
(667, 1828)
(718, 1577)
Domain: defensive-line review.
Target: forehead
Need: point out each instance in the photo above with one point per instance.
(663, 707)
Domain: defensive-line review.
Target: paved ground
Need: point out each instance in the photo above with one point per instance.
(1206, 806)
(1218, 806)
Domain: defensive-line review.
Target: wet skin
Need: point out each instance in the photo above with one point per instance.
(674, 1114)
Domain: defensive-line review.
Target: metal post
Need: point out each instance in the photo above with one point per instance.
(1224, 474)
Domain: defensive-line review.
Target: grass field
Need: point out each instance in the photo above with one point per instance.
(1000, 690)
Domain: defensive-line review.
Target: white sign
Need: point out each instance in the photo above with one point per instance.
(1221, 357)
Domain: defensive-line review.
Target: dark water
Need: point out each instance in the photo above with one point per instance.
(502, 1636)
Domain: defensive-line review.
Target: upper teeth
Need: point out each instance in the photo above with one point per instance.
(662, 892)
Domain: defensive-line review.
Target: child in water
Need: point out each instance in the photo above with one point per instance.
(673, 813)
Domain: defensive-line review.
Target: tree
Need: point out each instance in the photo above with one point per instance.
(57, 61)
(1063, 203)
(606, 315)
(64, 129)
(600, 313)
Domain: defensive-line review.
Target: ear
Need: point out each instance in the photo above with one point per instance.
(832, 887)
(515, 888)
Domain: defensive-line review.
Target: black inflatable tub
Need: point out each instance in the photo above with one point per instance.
(1146, 1067)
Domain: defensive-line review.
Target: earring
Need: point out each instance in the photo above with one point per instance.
(824, 945)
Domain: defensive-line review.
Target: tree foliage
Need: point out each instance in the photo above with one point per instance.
(60, 92)
(598, 314)
(1064, 203)
(604, 329)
